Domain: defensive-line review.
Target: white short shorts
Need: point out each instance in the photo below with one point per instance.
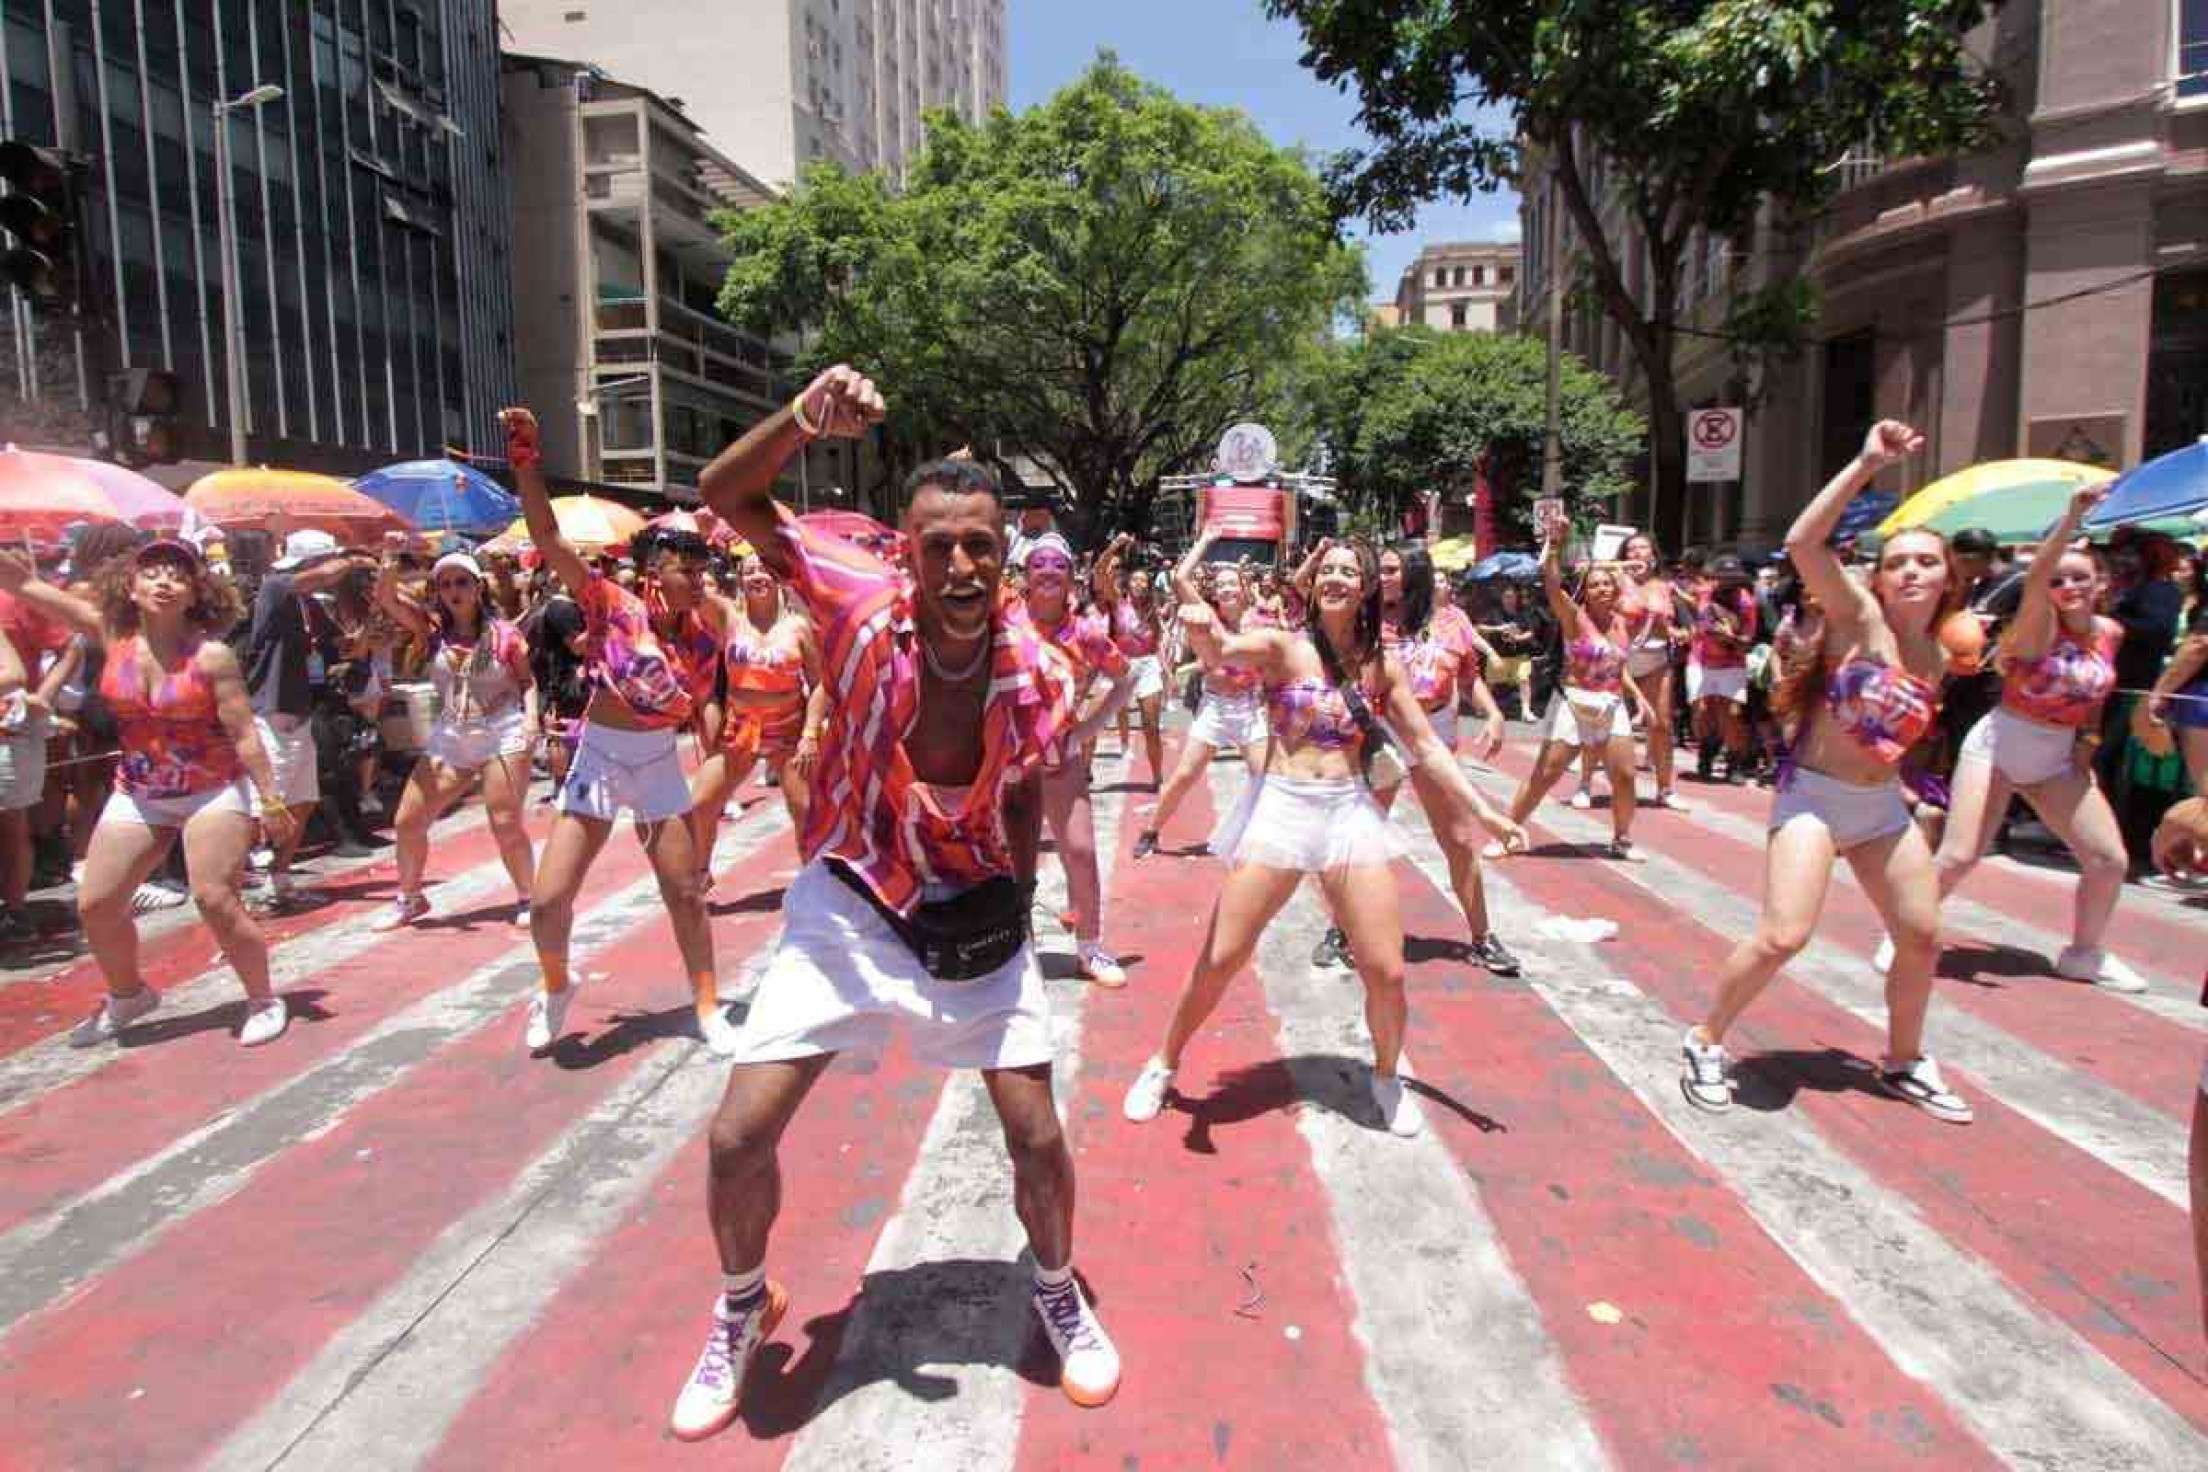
(842, 982)
(1725, 683)
(1306, 823)
(468, 746)
(23, 756)
(1229, 722)
(2025, 751)
(175, 812)
(1644, 660)
(1148, 675)
(1587, 717)
(1852, 814)
(636, 770)
(289, 741)
(1396, 761)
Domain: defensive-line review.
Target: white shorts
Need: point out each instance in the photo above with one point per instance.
(1148, 675)
(1643, 660)
(1852, 814)
(1587, 717)
(1229, 722)
(468, 746)
(175, 812)
(636, 770)
(289, 741)
(1726, 683)
(1399, 758)
(23, 756)
(1312, 824)
(2025, 751)
(842, 982)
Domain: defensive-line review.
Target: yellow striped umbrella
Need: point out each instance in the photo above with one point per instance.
(285, 501)
(2037, 480)
(590, 524)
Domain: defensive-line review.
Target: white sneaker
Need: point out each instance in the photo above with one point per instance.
(1088, 1361)
(1146, 1095)
(405, 910)
(1669, 799)
(1702, 1077)
(1882, 959)
(1583, 799)
(710, 1398)
(721, 1035)
(1398, 1106)
(2082, 963)
(149, 897)
(521, 916)
(1493, 849)
(1920, 1083)
(112, 1016)
(1101, 966)
(264, 1023)
(547, 1017)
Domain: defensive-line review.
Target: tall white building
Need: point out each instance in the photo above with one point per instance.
(779, 83)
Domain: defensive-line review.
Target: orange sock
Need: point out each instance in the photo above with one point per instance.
(555, 972)
(705, 989)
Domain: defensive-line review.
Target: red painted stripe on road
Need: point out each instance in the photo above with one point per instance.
(1727, 1347)
(1173, 1211)
(2102, 1254)
(2128, 1048)
(236, 1300)
(32, 1012)
(181, 1072)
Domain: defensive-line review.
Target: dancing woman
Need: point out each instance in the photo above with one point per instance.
(1652, 619)
(486, 726)
(1230, 711)
(190, 744)
(1717, 669)
(1086, 642)
(1867, 693)
(1590, 710)
(771, 661)
(1311, 813)
(1129, 600)
(2057, 663)
(651, 660)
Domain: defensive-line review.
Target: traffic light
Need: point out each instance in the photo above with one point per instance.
(142, 405)
(39, 211)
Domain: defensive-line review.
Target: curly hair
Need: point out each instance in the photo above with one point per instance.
(214, 610)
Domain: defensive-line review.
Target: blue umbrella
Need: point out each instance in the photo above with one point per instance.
(441, 495)
(1514, 565)
(2173, 485)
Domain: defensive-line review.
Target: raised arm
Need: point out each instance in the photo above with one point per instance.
(19, 575)
(1307, 571)
(527, 459)
(1263, 648)
(1552, 580)
(401, 609)
(1184, 572)
(2034, 629)
(1808, 541)
(739, 485)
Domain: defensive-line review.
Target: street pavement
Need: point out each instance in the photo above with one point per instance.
(393, 1240)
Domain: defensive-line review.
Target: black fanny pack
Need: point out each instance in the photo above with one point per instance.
(959, 939)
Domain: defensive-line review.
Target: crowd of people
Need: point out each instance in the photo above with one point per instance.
(928, 714)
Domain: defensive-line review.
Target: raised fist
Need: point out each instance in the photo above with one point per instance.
(840, 404)
(1890, 440)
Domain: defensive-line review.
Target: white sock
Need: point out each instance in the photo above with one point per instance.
(741, 1287)
(1052, 1279)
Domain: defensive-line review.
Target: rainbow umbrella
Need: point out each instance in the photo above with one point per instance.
(283, 501)
(589, 523)
(2002, 496)
(41, 495)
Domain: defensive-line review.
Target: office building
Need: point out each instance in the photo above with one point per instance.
(1460, 287)
(779, 83)
(370, 203)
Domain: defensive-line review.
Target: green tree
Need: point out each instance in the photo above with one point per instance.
(1103, 283)
(1656, 117)
(1410, 410)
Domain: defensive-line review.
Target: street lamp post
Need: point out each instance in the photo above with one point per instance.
(233, 329)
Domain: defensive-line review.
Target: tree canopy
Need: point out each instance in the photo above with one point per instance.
(1658, 117)
(1409, 410)
(1103, 283)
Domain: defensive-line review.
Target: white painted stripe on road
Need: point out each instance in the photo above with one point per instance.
(1456, 1355)
(2034, 1392)
(43, 1260)
(2069, 1103)
(946, 1296)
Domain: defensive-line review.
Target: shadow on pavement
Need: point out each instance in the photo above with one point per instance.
(303, 1005)
(1768, 1082)
(1325, 1081)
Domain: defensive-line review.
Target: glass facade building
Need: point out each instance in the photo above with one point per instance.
(373, 220)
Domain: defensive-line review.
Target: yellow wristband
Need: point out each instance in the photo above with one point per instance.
(797, 412)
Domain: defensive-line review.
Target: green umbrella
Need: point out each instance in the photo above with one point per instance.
(2017, 516)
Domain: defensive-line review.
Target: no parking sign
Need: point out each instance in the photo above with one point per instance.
(1713, 444)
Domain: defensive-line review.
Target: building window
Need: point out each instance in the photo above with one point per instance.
(1457, 316)
(1479, 275)
(2192, 48)
(1504, 275)
(1441, 278)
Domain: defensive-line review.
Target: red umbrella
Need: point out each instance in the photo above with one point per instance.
(41, 494)
(285, 501)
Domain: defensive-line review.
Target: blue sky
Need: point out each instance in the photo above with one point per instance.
(1225, 53)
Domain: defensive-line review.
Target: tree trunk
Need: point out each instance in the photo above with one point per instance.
(1667, 462)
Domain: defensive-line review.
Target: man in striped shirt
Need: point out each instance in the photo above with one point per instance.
(943, 704)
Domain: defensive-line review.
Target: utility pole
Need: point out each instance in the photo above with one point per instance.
(1552, 447)
(233, 311)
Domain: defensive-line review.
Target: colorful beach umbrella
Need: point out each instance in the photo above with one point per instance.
(284, 501)
(2168, 488)
(442, 495)
(41, 495)
(2002, 496)
(1516, 566)
(589, 523)
(1454, 554)
(855, 527)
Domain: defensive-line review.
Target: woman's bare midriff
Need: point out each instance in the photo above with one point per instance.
(612, 712)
